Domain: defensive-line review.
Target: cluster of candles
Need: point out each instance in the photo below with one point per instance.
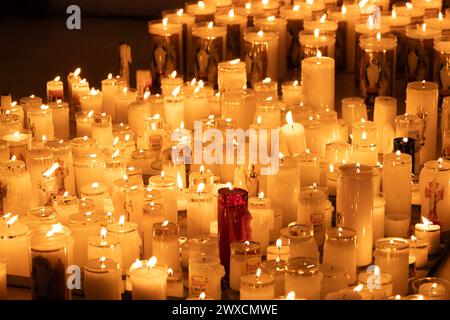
(113, 198)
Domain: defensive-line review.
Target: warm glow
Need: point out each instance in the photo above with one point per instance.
(398, 153)
(424, 27)
(343, 9)
(77, 72)
(289, 118)
(231, 13)
(370, 21)
(152, 262)
(176, 91)
(173, 75)
(201, 4)
(316, 32)
(90, 114)
(50, 233)
(271, 18)
(170, 272)
(103, 233)
(180, 12)
(51, 170)
(323, 18)
(235, 61)
(137, 264)
(394, 13)
(319, 54)
(163, 174)
(331, 168)
(413, 238)
(378, 36)
(179, 181)
(210, 25)
(358, 288)
(95, 185)
(125, 90)
(122, 220)
(202, 296)
(364, 136)
(290, 295)
(12, 220)
(426, 222)
(440, 17)
(266, 80)
(261, 196)
(362, 3)
(109, 76)
(165, 223)
(260, 33)
(296, 7)
(409, 5)
(279, 243)
(200, 187)
(258, 273)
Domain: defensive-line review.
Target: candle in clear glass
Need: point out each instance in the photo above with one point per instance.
(187, 21)
(55, 89)
(261, 54)
(235, 25)
(129, 240)
(97, 192)
(165, 244)
(49, 261)
(432, 7)
(419, 43)
(315, 138)
(174, 108)
(201, 10)
(380, 283)
(37, 161)
(268, 112)
(102, 280)
(143, 82)
(295, 19)
(430, 232)
(397, 183)
(257, 287)
(334, 278)
(109, 87)
(16, 182)
(303, 276)
(138, 111)
(83, 225)
(14, 241)
(148, 280)
(27, 103)
(337, 151)
(283, 188)
(205, 274)
(415, 12)
(432, 288)
(278, 250)
(60, 116)
(366, 27)
(167, 186)
(88, 169)
(78, 89)
(250, 10)
(434, 198)
(422, 100)
(245, 259)
(65, 177)
(353, 110)
(239, 105)
(210, 44)
(83, 121)
(301, 241)
(378, 218)
(102, 130)
(311, 211)
(262, 220)
(40, 122)
(276, 268)
(127, 196)
(114, 167)
(17, 110)
(355, 206)
(83, 146)
(232, 75)
(153, 213)
(291, 93)
(392, 256)
(377, 61)
(418, 248)
(165, 37)
(385, 111)
(199, 211)
(234, 220)
(196, 103)
(91, 101)
(318, 82)
(10, 122)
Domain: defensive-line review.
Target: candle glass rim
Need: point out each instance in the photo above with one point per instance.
(110, 266)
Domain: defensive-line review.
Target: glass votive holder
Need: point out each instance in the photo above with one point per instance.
(379, 283)
(432, 288)
(301, 241)
(312, 41)
(337, 152)
(245, 259)
(353, 110)
(303, 276)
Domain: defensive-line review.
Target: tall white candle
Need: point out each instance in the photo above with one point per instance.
(397, 183)
(165, 244)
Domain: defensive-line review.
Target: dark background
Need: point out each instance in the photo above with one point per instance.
(36, 46)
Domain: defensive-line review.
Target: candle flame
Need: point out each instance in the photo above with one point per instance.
(266, 80)
(370, 21)
(424, 27)
(378, 36)
(261, 196)
(103, 233)
(122, 220)
(279, 243)
(358, 288)
(409, 5)
(137, 264)
(289, 118)
(377, 271)
(398, 153)
(343, 9)
(176, 91)
(296, 7)
(258, 273)
(51, 170)
(202, 296)
(165, 223)
(179, 181)
(362, 3)
(163, 174)
(173, 75)
(110, 76)
(57, 78)
(77, 72)
(235, 61)
(164, 22)
(290, 295)
(95, 185)
(12, 220)
(125, 90)
(210, 25)
(89, 114)
(50, 233)
(200, 187)
(426, 222)
(231, 13)
(260, 33)
(316, 32)
(319, 55)
(152, 262)
(394, 13)
(180, 12)
(364, 136)
(398, 297)
(170, 272)
(440, 17)
(323, 18)
(271, 18)
(201, 4)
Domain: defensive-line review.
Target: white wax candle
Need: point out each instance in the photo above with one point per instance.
(397, 183)
(304, 278)
(240, 106)
(232, 75)
(40, 122)
(91, 101)
(196, 103)
(165, 244)
(334, 279)
(174, 108)
(384, 117)
(293, 134)
(301, 241)
(257, 287)
(418, 248)
(60, 116)
(430, 232)
(380, 284)
(396, 225)
(122, 99)
(378, 217)
(148, 280)
(109, 87)
(199, 212)
(153, 213)
(205, 274)
(318, 82)
(97, 192)
(102, 280)
(14, 240)
(84, 123)
(245, 259)
(392, 256)
(166, 185)
(138, 111)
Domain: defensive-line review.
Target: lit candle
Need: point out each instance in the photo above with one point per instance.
(88, 169)
(205, 274)
(98, 192)
(40, 122)
(55, 89)
(102, 280)
(129, 239)
(385, 112)
(293, 134)
(313, 41)
(434, 291)
(245, 259)
(261, 54)
(196, 103)
(277, 269)
(127, 195)
(165, 244)
(102, 130)
(392, 256)
(104, 245)
(303, 276)
(352, 293)
(153, 213)
(311, 211)
(122, 99)
(278, 251)
(340, 250)
(318, 82)
(335, 278)
(257, 287)
(91, 101)
(167, 186)
(174, 108)
(301, 241)
(84, 123)
(148, 280)
(169, 83)
(110, 86)
(201, 11)
(232, 75)
(79, 88)
(355, 206)
(292, 93)
(240, 106)
(60, 116)
(380, 284)
(235, 25)
(430, 232)
(14, 242)
(418, 248)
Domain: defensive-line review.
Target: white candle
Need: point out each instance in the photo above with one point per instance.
(91, 101)
(196, 103)
(418, 248)
(84, 123)
(301, 241)
(104, 245)
(259, 286)
(205, 274)
(170, 83)
(138, 111)
(262, 220)
(276, 268)
(153, 213)
(384, 117)
(303, 276)
(378, 217)
(293, 134)
(396, 225)
(14, 238)
(340, 250)
(102, 280)
(380, 284)
(292, 93)
(232, 75)
(78, 89)
(55, 89)
(109, 87)
(318, 82)
(165, 244)
(397, 168)
(166, 185)
(422, 99)
(60, 116)
(102, 130)
(431, 232)
(174, 108)
(98, 192)
(392, 256)
(199, 212)
(355, 207)
(130, 242)
(88, 169)
(334, 278)
(240, 106)
(278, 250)
(40, 122)
(245, 258)
(127, 196)
(148, 280)
(122, 99)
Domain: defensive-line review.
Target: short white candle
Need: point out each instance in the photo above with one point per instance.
(419, 249)
(102, 280)
(396, 225)
(205, 274)
(259, 286)
(14, 237)
(431, 232)
(148, 280)
(380, 284)
(91, 101)
(303, 276)
(334, 278)
(245, 258)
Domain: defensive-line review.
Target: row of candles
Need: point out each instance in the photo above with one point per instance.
(409, 42)
(117, 190)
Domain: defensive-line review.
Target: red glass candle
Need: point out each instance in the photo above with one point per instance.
(233, 221)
